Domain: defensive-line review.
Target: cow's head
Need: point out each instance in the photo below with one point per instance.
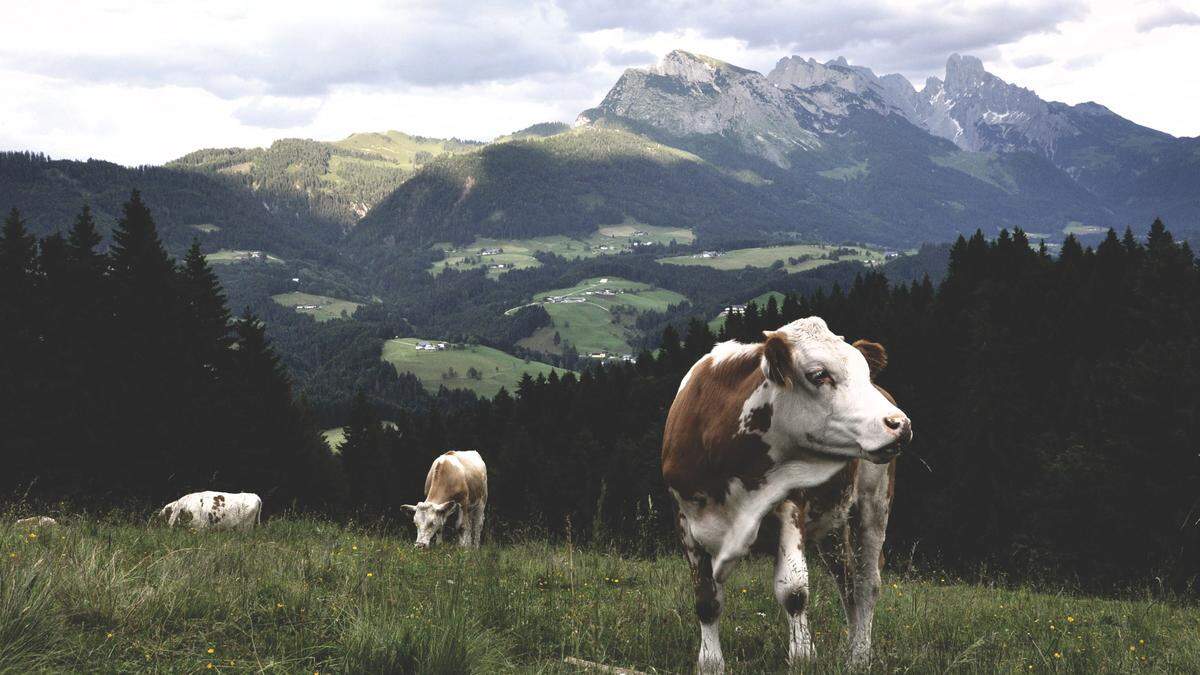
(163, 517)
(430, 518)
(827, 399)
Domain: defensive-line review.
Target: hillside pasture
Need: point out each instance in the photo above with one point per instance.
(596, 314)
(521, 253)
(451, 367)
(314, 596)
(811, 256)
(232, 256)
(320, 307)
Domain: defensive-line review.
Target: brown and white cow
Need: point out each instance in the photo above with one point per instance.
(456, 493)
(777, 431)
(211, 510)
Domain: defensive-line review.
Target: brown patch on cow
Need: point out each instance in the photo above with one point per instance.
(886, 394)
(218, 502)
(875, 355)
(778, 351)
(798, 515)
(184, 517)
(703, 446)
(760, 418)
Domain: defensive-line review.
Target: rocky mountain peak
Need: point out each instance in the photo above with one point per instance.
(964, 73)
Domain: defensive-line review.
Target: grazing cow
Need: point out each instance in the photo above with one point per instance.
(775, 432)
(37, 521)
(455, 492)
(214, 511)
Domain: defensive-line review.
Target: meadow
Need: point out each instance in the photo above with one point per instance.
(592, 325)
(229, 256)
(496, 369)
(327, 308)
(765, 256)
(520, 253)
(299, 595)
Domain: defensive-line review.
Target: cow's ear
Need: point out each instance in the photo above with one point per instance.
(409, 509)
(777, 359)
(875, 355)
(449, 508)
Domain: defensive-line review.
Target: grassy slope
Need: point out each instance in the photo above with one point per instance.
(591, 326)
(765, 256)
(328, 309)
(520, 252)
(230, 256)
(305, 596)
(400, 149)
(498, 369)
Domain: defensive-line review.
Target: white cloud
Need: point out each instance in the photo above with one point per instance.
(139, 81)
(1167, 17)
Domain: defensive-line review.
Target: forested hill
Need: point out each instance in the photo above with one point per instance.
(188, 205)
(339, 180)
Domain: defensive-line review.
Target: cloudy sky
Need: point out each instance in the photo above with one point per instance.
(143, 82)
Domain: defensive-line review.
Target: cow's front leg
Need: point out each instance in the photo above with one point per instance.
(477, 525)
(867, 529)
(710, 597)
(464, 530)
(791, 579)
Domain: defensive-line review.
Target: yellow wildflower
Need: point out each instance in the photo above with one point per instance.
(1141, 642)
(1132, 648)
(1058, 655)
(211, 650)
(279, 605)
(1070, 619)
(108, 636)
(208, 665)
(370, 574)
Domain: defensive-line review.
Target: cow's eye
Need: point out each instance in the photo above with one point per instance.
(820, 377)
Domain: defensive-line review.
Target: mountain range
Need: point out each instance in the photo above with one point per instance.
(823, 151)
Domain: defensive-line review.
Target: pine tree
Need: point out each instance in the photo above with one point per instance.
(363, 457)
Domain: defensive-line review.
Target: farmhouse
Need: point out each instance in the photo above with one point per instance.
(708, 254)
(298, 307)
(733, 309)
(424, 346)
(491, 251)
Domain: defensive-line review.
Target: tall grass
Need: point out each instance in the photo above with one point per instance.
(305, 596)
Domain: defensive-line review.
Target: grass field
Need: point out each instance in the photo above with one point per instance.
(308, 596)
(327, 308)
(229, 256)
(765, 256)
(519, 253)
(496, 368)
(589, 325)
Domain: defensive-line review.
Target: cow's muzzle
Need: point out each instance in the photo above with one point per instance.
(421, 545)
(900, 426)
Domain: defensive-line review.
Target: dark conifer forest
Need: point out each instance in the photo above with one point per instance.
(1056, 404)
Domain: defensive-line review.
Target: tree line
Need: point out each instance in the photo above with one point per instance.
(125, 382)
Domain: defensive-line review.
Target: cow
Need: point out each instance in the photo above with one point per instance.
(455, 493)
(776, 432)
(37, 521)
(211, 510)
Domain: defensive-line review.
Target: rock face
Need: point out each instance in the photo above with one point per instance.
(691, 95)
(979, 111)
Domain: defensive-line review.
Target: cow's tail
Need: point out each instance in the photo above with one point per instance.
(258, 514)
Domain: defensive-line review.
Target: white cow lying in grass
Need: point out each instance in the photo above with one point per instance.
(214, 511)
(37, 521)
(455, 493)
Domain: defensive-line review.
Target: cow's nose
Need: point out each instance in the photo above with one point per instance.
(421, 544)
(895, 422)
